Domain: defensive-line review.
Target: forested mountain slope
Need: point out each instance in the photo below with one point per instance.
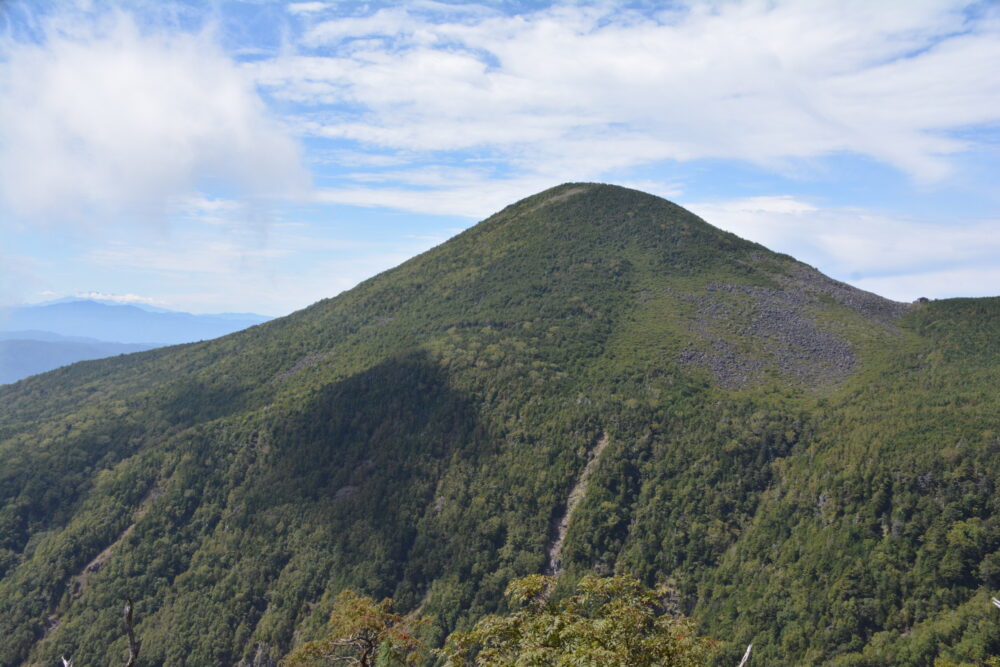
(814, 467)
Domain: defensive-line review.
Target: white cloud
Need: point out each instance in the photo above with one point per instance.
(466, 193)
(959, 281)
(461, 109)
(474, 198)
(204, 271)
(102, 118)
(895, 257)
(599, 89)
(127, 299)
(19, 275)
(307, 7)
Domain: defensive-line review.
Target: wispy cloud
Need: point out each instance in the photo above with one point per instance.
(103, 117)
(307, 7)
(946, 283)
(896, 257)
(213, 123)
(19, 276)
(469, 199)
(127, 299)
(589, 89)
(207, 273)
(228, 264)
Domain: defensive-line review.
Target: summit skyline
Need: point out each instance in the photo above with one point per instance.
(261, 156)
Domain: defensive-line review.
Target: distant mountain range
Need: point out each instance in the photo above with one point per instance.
(23, 356)
(41, 337)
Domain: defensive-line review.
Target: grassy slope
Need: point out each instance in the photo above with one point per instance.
(418, 435)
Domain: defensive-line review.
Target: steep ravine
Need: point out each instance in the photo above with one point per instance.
(575, 496)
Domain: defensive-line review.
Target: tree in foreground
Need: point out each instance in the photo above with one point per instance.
(610, 621)
(362, 632)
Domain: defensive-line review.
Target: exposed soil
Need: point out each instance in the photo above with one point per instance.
(78, 583)
(575, 496)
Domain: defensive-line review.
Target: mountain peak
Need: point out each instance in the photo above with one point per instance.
(592, 375)
(608, 219)
(614, 264)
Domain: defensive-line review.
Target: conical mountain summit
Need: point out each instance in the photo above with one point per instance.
(591, 380)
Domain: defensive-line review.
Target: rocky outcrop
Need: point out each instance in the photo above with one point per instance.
(750, 330)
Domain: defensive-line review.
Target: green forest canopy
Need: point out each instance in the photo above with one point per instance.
(814, 468)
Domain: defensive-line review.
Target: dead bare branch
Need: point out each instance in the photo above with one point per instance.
(746, 656)
(133, 644)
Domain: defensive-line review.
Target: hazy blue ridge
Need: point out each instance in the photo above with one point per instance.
(48, 336)
(124, 323)
(22, 357)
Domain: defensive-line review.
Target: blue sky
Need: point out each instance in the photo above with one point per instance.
(259, 156)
